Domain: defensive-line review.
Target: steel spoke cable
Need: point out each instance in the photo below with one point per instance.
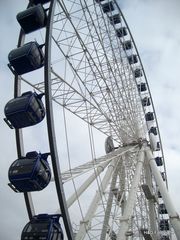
(93, 156)
(117, 208)
(100, 40)
(109, 203)
(80, 41)
(89, 92)
(69, 162)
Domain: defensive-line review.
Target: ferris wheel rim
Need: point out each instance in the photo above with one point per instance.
(47, 72)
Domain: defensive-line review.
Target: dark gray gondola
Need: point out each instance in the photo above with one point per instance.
(32, 19)
(146, 101)
(138, 73)
(43, 226)
(127, 45)
(107, 7)
(132, 59)
(163, 175)
(30, 173)
(158, 146)
(153, 130)
(149, 116)
(162, 209)
(27, 58)
(164, 225)
(159, 161)
(115, 19)
(26, 110)
(121, 32)
(142, 87)
(159, 194)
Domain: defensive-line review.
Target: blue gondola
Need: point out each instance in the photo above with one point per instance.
(30, 173)
(32, 18)
(43, 226)
(26, 110)
(26, 58)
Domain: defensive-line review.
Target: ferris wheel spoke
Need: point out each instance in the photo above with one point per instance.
(99, 166)
(100, 40)
(131, 199)
(86, 223)
(89, 59)
(101, 162)
(109, 204)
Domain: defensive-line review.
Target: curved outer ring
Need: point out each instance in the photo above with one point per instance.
(50, 125)
(50, 121)
(147, 87)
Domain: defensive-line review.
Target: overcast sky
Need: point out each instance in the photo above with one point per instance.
(155, 28)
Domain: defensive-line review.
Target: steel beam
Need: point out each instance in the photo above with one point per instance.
(85, 224)
(131, 200)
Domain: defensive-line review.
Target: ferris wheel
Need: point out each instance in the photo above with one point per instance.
(101, 150)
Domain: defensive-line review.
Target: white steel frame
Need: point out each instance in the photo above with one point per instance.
(96, 83)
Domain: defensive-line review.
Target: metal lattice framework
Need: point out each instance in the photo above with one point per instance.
(90, 73)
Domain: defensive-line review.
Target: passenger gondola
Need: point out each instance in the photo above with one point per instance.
(32, 19)
(26, 58)
(149, 116)
(142, 87)
(162, 209)
(26, 110)
(30, 173)
(164, 225)
(43, 226)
